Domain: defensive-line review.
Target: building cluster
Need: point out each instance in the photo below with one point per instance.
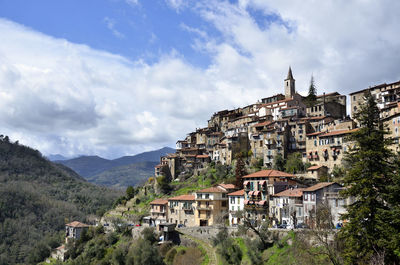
(268, 196)
(280, 125)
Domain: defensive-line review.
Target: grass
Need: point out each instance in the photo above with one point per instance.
(243, 248)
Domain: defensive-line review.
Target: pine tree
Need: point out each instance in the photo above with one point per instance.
(312, 93)
(367, 233)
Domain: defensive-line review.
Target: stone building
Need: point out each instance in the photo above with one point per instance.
(327, 149)
(385, 94)
(74, 230)
(181, 210)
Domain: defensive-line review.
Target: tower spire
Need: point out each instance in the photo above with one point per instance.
(290, 89)
(289, 75)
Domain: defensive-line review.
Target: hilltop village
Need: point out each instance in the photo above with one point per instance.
(274, 127)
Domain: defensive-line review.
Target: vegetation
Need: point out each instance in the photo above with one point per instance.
(294, 163)
(373, 227)
(312, 93)
(37, 197)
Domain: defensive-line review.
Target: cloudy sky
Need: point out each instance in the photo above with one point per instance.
(118, 77)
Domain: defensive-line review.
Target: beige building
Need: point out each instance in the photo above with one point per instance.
(327, 149)
(181, 210)
(159, 211)
(211, 206)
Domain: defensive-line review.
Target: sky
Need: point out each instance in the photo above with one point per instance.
(119, 77)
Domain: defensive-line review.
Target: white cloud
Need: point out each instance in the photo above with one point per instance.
(111, 26)
(66, 98)
(132, 2)
(178, 5)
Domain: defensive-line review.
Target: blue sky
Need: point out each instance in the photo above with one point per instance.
(142, 30)
(119, 77)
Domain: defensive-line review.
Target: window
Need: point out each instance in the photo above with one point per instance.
(207, 195)
(223, 195)
(198, 195)
(233, 208)
(233, 200)
(354, 98)
(223, 204)
(315, 142)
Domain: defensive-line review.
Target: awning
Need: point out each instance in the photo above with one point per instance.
(246, 202)
(251, 193)
(245, 183)
(333, 149)
(256, 193)
(262, 202)
(263, 182)
(325, 150)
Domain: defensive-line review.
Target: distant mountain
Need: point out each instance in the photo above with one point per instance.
(120, 172)
(57, 157)
(124, 176)
(37, 197)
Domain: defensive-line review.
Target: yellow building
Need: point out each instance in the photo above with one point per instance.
(211, 206)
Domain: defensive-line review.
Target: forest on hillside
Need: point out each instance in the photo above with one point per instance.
(37, 198)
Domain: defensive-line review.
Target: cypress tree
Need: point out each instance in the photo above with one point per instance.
(368, 231)
(312, 93)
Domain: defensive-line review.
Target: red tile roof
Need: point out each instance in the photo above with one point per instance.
(186, 197)
(319, 186)
(314, 133)
(268, 173)
(227, 186)
(77, 224)
(202, 156)
(237, 193)
(290, 193)
(213, 189)
(314, 168)
(159, 201)
(265, 123)
(339, 132)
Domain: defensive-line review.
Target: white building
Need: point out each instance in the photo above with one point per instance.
(236, 203)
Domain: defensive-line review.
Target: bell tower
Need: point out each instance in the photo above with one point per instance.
(289, 85)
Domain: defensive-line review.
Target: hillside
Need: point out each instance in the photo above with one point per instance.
(37, 197)
(120, 172)
(124, 176)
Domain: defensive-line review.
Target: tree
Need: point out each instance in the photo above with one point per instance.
(240, 171)
(312, 93)
(279, 162)
(371, 229)
(294, 164)
(130, 192)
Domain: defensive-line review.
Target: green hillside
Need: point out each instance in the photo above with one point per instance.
(37, 197)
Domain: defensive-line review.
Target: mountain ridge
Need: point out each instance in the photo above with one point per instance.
(120, 172)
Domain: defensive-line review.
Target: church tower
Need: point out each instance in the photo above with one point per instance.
(289, 85)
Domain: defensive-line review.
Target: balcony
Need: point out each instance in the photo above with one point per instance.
(204, 208)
